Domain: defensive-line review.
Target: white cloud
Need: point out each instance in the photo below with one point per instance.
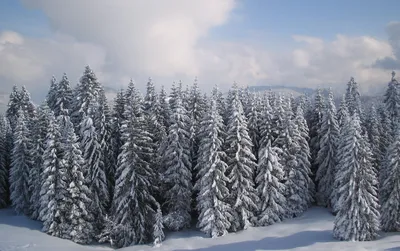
(168, 40)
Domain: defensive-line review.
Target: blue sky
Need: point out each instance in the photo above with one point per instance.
(126, 39)
(275, 20)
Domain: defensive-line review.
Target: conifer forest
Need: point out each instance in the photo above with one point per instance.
(127, 171)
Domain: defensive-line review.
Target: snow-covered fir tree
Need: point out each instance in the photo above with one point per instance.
(374, 136)
(27, 106)
(343, 112)
(115, 136)
(63, 96)
(326, 158)
(254, 122)
(21, 163)
(79, 197)
(134, 207)
(38, 145)
(52, 93)
(13, 107)
(3, 162)
(267, 126)
(220, 100)
(158, 228)
(353, 99)
(392, 98)
(241, 166)
(93, 169)
(390, 188)
(270, 186)
(165, 109)
(294, 158)
(315, 125)
(177, 177)
(86, 93)
(54, 189)
(215, 214)
(358, 208)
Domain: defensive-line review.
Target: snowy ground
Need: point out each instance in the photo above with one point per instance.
(313, 231)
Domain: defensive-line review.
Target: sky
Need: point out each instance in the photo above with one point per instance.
(306, 43)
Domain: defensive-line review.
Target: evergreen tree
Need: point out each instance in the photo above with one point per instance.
(79, 197)
(241, 166)
(63, 96)
(93, 170)
(270, 187)
(3, 163)
(14, 104)
(214, 211)
(392, 98)
(165, 109)
(21, 163)
(267, 126)
(158, 232)
(27, 106)
(373, 130)
(38, 145)
(343, 112)
(52, 94)
(53, 194)
(390, 188)
(353, 99)
(326, 158)
(315, 123)
(133, 207)
(115, 137)
(86, 93)
(254, 123)
(358, 215)
(177, 177)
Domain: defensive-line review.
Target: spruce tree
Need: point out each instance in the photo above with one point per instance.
(21, 163)
(214, 212)
(158, 232)
(254, 123)
(165, 109)
(315, 125)
(358, 215)
(38, 145)
(177, 177)
(353, 99)
(134, 206)
(373, 130)
(267, 125)
(326, 158)
(93, 170)
(390, 188)
(63, 96)
(86, 93)
(3, 163)
(79, 197)
(13, 106)
(270, 187)
(343, 112)
(52, 93)
(241, 166)
(53, 194)
(392, 98)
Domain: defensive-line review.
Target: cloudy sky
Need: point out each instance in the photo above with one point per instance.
(307, 43)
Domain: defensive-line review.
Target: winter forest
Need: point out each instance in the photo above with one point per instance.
(124, 172)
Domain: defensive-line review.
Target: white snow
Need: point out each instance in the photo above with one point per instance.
(312, 231)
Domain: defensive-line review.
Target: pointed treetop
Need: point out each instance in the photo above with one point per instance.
(393, 75)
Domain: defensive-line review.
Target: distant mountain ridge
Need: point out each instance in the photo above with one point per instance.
(300, 90)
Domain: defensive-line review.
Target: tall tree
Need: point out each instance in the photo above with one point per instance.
(177, 165)
(63, 97)
(53, 193)
(343, 112)
(14, 104)
(52, 93)
(374, 135)
(93, 169)
(326, 158)
(270, 187)
(38, 145)
(241, 166)
(358, 215)
(21, 163)
(79, 197)
(392, 98)
(254, 123)
(3, 163)
(86, 93)
(353, 99)
(134, 206)
(214, 212)
(390, 188)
